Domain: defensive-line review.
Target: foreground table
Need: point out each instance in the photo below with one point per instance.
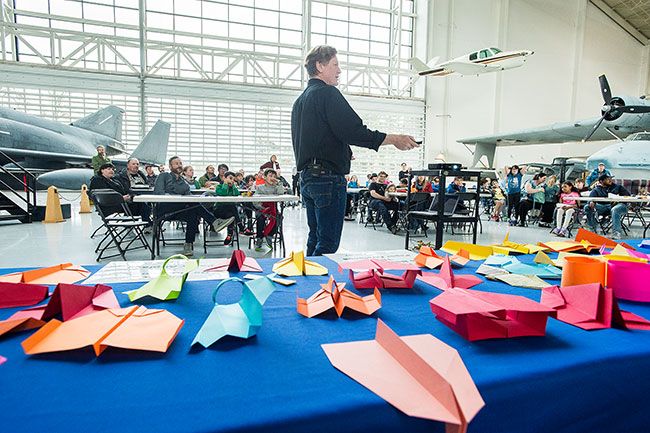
(281, 381)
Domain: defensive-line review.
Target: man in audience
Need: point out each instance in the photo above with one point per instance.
(267, 211)
(404, 172)
(172, 183)
(151, 176)
(99, 159)
(105, 179)
(131, 176)
(383, 204)
(435, 184)
(580, 186)
(596, 174)
(209, 179)
(456, 187)
(605, 187)
(161, 168)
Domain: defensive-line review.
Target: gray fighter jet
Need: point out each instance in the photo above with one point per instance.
(43, 144)
(620, 117)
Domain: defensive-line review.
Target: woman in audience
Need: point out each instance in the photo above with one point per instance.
(534, 190)
(435, 184)
(188, 176)
(499, 200)
(513, 187)
(271, 163)
(419, 184)
(551, 193)
(565, 209)
(353, 182)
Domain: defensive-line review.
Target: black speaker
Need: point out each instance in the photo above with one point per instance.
(39, 212)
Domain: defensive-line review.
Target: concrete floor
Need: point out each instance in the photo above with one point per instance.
(39, 244)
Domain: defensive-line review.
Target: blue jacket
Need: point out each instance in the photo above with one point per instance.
(594, 175)
(452, 188)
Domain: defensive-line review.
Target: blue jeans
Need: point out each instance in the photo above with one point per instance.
(324, 197)
(618, 212)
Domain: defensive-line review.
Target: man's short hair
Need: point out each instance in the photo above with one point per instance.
(383, 172)
(319, 54)
(602, 177)
(270, 171)
(173, 158)
(229, 173)
(128, 161)
(373, 175)
(249, 178)
(101, 145)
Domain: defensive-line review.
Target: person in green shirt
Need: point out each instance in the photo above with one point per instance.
(99, 159)
(209, 178)
(226, 213)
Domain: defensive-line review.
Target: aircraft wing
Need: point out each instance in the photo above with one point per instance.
(469, 68)
(25, 153)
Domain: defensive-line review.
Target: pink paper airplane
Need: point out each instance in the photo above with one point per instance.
(371, 274)
(446, 278)
(477, 315)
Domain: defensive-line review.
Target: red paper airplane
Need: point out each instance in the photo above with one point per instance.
(71, 301)
(21, 294)
(370, 274)
(590, 306)
(477, 315)
(238, 262)
(446, 278)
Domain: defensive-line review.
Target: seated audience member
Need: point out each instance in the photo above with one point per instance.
(580, 186)
(239, 178)
(151, 176)
(565, 209)
(353, 182)
(404, 172)
(371, 180)
(131, 176)
(248, 183)
(454, 188)
(499, 200)
(596, 174)
(271, 163)
(435, 184)
(227, 213)
(259, 178)
(221, 170)
(352, 197)
(383, 204)
(514, 177)
(534, 190)
(368, 179)
(247, 209)
(267, 211)
(188, 176)
(105, 179)
(209, 179)
(161, 168)
(418, 184)
(605, 187)
(295, 181)
(173, 183)
(551, 192)
(403, 184)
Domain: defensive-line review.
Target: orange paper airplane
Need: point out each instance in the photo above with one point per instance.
(428, 258)
(63, 273)
(17, 325)
(596, 239)
(335, 295)
(135, 327)
(446, 278)
(418, 374)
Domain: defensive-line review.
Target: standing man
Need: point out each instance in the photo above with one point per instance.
(323, 126)
(596, 173)
(99, 159)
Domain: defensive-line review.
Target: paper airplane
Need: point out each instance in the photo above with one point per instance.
(135, 327)
(63, 273)
(370, 274)
(273, 277)
(569, 246)
(238, 262)
(70, 301)
(590, 306)
(488, 270)
(595, 239)
(583, 270)
(477, 315)
(21, 294)
(418, 374)
(629, 280)
(427, 257)
(335, 295)
(242, 319)
(446, 278)
(500, 260)
(507, 246)
(2, 360)
(537, 269)
(17, 325)
(165, 287)
(525, 281)
(476, 252)
(645, 243)
(461, 258)
(296, 265)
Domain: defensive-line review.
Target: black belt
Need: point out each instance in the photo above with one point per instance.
(316, 166)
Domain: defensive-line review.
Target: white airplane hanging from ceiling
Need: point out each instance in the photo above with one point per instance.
(475, 63)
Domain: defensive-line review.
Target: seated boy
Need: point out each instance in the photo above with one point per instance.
(226, 213)
(266, 225)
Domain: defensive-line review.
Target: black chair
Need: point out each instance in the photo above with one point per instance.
(124, 232)
(451, 202)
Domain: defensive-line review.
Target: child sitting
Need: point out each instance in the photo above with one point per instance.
(565, 209)
(499, 200)
(226, 213)
(267, 210)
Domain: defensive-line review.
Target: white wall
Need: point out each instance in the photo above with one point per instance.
(574, 42)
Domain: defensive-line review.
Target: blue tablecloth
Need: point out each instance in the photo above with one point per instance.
(569, 381)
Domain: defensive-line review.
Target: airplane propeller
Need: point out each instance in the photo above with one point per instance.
(614, 107)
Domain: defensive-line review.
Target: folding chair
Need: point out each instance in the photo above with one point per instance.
(123, 229)
(432, 213)
(278, 236)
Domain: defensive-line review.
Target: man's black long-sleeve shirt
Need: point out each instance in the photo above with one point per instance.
(323, 126)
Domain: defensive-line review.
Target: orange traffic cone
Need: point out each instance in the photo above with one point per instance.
(53, 213)
(84, 204)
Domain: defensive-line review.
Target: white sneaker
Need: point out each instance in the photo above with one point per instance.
(617, 235)
(188, 249)
(556, 231)
(220, 224)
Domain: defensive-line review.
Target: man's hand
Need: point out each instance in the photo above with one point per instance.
(402, 142)
(592, 204)
(126, 197)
